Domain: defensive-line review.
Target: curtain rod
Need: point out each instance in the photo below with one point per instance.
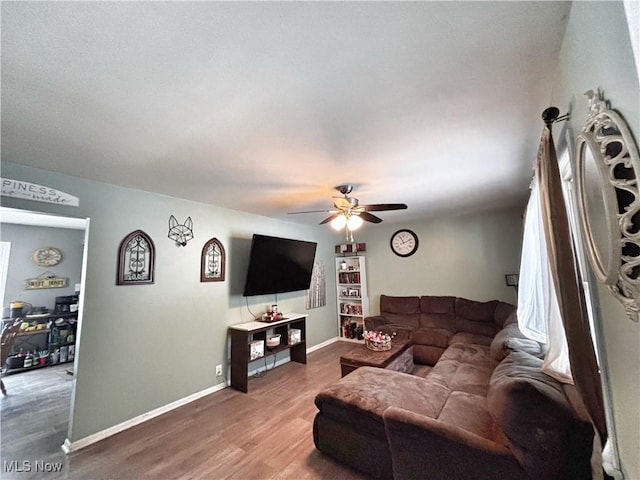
(551, 116)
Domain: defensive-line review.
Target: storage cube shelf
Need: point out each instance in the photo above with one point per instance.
(249, 343)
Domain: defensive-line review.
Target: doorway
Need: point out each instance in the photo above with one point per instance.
(39, 407)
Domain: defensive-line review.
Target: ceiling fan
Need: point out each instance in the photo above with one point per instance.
(348, 212)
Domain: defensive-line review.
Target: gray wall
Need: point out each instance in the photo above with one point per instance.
(596, 53)
(26, 239)
(466, 256)
(142, 347)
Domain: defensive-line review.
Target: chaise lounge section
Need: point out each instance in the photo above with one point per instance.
(484, 411)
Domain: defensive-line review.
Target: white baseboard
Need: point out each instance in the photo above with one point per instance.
(69, 446)
(323, 344)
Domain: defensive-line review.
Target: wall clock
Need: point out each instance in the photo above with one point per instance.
(47, 257)
(404, 243)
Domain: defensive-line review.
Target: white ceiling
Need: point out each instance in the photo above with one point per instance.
(264, 107)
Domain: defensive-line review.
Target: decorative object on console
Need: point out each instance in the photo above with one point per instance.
(256, 349)
(404, 243)
(47, 257)
(273, 341)
(295, 336)
(512, 280)
(212, 262)
(273, 315)
(180, 234)
(608, 167)
(136, 259)
(377, 341)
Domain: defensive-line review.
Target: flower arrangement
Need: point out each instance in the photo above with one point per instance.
(377, 341)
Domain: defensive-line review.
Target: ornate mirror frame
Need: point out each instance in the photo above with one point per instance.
(212, 262)
(605, 146)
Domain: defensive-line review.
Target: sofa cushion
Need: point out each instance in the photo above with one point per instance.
(406, 305)
(437, 312)
(464, 368)
(505, 314)
(510, 339)
(429, 344)
(476, 317)
(465, 337)
(436, 337)
(360, 398)
(469, 411)
(533, 412)
(400, 310)
(472, 353)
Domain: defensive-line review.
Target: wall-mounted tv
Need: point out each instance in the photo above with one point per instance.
(279, 265)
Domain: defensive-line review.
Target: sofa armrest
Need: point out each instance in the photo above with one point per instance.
(374, 323)
(426, 448)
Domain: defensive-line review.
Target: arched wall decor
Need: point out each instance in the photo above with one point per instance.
(607, 173)
(212, 263)
(136, 259)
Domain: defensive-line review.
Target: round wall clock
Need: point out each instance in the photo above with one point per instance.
(47, 256)
(404, 243)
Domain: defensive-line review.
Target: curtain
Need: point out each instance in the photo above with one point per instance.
(535, 290)
(571, 302)
(539, 315)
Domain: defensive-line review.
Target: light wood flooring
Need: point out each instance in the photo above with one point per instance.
(264, 434)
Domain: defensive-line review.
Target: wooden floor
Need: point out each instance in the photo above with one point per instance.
(34, 416)
(265, 434)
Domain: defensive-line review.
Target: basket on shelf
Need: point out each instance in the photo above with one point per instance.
(377, 341)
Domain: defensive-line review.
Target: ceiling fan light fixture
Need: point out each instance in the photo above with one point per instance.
(339, 222)
(354, 222)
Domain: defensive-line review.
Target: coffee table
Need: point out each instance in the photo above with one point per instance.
(398, 358)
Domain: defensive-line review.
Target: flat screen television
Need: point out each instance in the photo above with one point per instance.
(279, 265)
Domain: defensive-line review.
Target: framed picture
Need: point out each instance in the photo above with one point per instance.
(136, 259)
(212, 262)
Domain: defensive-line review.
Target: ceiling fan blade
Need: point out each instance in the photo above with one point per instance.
(310, 211)
(381, 207)
(328, 219)
(368, 217)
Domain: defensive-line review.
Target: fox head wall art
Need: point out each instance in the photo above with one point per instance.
(180, 233)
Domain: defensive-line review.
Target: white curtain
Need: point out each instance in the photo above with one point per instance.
(538, 310)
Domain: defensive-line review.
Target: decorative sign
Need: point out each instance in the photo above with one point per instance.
(37, 193)
(45, 282)
(136, 259)
(212, 263)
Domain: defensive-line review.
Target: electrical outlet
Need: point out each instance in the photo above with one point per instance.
(218, 370)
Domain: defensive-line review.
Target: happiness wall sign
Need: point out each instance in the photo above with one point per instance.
(37, 193)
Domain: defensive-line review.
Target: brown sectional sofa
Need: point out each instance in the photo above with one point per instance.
(433, 323)
(484, 411)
